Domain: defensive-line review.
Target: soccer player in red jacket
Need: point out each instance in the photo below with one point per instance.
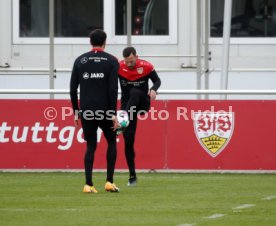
(134, 75)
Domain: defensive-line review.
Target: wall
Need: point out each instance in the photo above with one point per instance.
(175, 135)
(36, 56)
(5, 37)
(251, 65)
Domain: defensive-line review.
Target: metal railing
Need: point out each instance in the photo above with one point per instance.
(162, 92)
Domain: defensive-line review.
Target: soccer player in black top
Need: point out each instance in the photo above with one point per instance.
(134, 75)
(96, 73)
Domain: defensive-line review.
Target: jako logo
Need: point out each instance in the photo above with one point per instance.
(97, 75)
(86, 75)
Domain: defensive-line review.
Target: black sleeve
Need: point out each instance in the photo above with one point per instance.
(113, 86)
(74, 84)
(155, 80)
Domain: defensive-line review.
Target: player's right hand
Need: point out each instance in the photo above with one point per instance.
(116, 124)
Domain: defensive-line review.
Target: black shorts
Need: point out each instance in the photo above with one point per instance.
(90, 128)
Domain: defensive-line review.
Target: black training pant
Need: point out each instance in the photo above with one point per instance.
(141, 101)
(90, 128)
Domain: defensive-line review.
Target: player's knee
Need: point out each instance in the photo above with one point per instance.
(136, 93)
(129, 142)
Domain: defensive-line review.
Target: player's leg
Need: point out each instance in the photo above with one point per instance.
(90, 135)
(91, 145)
(135, 98)
(129, 138)
(144, 104)
(141, 101)
(111, 154)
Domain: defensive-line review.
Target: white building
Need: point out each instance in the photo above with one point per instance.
(164, 33)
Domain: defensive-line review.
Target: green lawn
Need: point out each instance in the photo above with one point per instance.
(160, 199)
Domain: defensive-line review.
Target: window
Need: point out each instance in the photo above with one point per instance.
(74, 19)
(250, 19)
(153, 21)
(148, 17)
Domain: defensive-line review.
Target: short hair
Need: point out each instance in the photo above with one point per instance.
(128, 51)
(97, 37)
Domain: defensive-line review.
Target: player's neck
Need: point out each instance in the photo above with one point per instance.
(98, 48)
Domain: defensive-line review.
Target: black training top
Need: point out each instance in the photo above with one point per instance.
(97, 74)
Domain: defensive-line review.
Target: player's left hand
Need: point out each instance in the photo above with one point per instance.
(76, 122)
(152, 94)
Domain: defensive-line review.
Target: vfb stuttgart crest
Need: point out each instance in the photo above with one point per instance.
(140, 70)
(213, 130)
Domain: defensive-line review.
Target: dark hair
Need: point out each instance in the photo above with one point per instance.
(97, 37)
(128, 51)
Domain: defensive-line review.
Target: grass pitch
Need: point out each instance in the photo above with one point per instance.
(160, 199)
